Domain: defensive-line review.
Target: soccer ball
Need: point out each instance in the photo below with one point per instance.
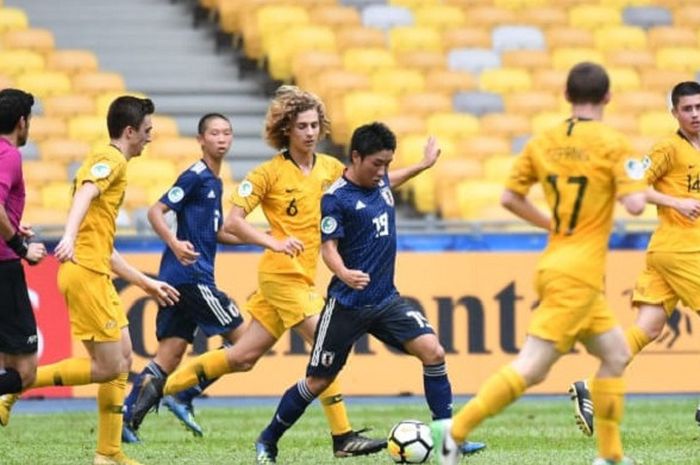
(410, 441)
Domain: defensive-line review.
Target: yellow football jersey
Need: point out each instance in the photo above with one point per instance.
(106, 168)
(291, 202)
(673, 168)
(583, 167)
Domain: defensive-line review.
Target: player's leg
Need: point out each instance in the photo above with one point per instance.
(16, 369)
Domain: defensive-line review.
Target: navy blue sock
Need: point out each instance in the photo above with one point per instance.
(289, 410)
(438, 391)
(186, 396)
(10, 381)
(151, 369)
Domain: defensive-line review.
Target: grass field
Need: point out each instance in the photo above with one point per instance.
(536, 431)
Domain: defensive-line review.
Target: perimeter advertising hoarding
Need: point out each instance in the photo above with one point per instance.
(479, 304)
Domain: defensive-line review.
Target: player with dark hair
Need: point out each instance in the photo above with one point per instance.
(88, 257)
(18, 335)
(672, 271)
(188, 265)
(583, 167)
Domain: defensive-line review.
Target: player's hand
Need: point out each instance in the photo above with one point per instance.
(184, 252)
(36, 251)
(65, 250)
(431, 152)
(25, 230)
(290, 246)
(164, 293)
(690, 208)
(356, 279)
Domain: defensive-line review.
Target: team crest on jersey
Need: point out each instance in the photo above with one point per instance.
(175, 194)
(634, 169)
(245, 188)
(327, 358)
(328, 225)
(100, 170)
(388, 196)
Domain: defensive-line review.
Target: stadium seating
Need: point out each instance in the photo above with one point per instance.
(35, 40)
(72, 61)
(12, 19)
(98, 82)
(67, 105)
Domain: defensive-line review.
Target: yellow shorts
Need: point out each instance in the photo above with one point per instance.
(668, 278)
(569, 310)
(96, 313)
(283, 301)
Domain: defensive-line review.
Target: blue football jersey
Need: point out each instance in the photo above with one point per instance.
(363, 222)
(196, 200)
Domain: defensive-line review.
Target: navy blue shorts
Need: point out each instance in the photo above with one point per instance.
(18, 333)
(394, 323)
(200, 306)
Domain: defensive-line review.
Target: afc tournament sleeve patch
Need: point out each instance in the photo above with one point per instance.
(634, 169)
(329, 225)
(245, 188)
(100, 170)
(176, 194)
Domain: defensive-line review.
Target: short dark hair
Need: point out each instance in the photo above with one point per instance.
(587, 83)
(14, 104)
(204, 120)
(125, 111)
(372, 138)
(683, 89)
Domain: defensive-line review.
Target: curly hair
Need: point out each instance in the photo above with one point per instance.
(288, 102)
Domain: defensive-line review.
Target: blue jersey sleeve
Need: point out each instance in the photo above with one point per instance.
(176, 197)
(331, 218)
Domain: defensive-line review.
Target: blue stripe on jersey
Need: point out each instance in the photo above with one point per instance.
(196, 200)
(364, 223)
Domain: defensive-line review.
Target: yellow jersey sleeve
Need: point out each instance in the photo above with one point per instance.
(254, 188)
(522, 175)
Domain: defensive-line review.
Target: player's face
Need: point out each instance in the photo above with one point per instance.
(303, 134)
(687, 112)
(138, 138)
(370, 170)
(217, 138)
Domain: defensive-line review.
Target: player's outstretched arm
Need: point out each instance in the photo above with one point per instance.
(688, 207)
(237, 225)
(163, 292)
(356, 279)
(184, 250)
(65, 249)
(521, 206)
(431, 152)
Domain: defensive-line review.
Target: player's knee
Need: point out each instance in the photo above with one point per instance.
(654, 329)
(28, 377)
(617, 360)
(318, 385)
(244, 361)
(433, 355)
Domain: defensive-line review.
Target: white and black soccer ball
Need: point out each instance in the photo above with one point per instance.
(410, 441)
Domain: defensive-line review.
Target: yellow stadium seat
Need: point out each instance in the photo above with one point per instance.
(34, 39)
(409, 150)
(165, 127)
(360, 36)
(175, 148)
(145, 172)
(47, 127)
(688, 15)
(299, 39)
(497, 168)
(63, 150)
(72, 61)
(452, 125)
(449, 81)
(529, 103)
(156, 190)
(620, 38)
(307, 65)
(65, 106)
(423, 61)
(520, 5)
(44, 84)
(637, 59)
(636, 102)
(12, 19)
(642, 144)
(657, 123)
(526, 59)
(569, 36)
(505, 80)
(367, 60)
(593, 17)
(423, 188)
(403, 125)
(136, 197)
(104, 99)
(439, 17)
(466, 37)
(410, 38)
(413, 4)
(678, 59)
(335, 16)
(93, 83)
(670, 36)
(546, 120)
(490, 16)
(272, 20)
(88, 128)
(473, 196)
(337, 82)
(565, 57)
(6, 81)
(626, 123)
(663, 80)
(14, 62)
(425, 103)
(450, 173)
(57, 195)
(625, 3)
(38, 173)
(44, 217)
(481, 147)
(397, 81)
(544, 17)
(623, 79)
(506, 125)
(364, 107)
(32, 196)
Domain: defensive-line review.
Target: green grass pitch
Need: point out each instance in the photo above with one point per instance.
(536, 430)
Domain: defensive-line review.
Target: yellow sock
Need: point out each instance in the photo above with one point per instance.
(210, 365)
(68, 372)
(637, 339)
(110, 401)
(499, 391)
(608, 395)
(334, 407)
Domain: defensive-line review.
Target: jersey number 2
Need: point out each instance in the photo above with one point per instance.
(582, 182)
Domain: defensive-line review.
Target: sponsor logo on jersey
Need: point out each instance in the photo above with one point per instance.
(211, 194)
(360, 205)
(175, 194)
(245, 188)
(328, 225)
(100, 170)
